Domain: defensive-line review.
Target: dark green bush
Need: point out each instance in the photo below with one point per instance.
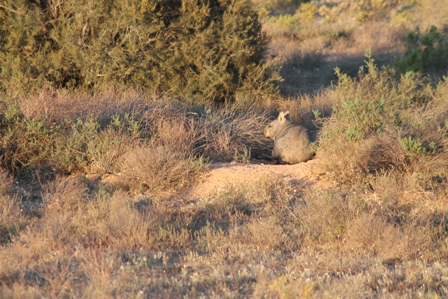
(197, 50)
(426, 53)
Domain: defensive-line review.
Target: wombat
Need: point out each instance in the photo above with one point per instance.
(291, 142)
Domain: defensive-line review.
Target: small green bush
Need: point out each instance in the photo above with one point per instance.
(381, 124)
(23, 141)
(371, 10)
(424, 53)
(63, 145)
(279, 5)
(380, 98)
(196, 50)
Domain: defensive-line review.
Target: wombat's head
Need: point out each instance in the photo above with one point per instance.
(271, 130)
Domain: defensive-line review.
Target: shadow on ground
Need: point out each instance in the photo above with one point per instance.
(309, 79)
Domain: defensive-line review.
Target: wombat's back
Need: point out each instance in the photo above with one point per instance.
(294, 146)
(291, 142)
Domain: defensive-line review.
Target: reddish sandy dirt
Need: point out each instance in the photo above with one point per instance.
(222, 176)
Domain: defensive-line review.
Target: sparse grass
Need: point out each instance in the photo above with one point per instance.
(11, 218)
(121, 130)
(269, 239)
(159, 167)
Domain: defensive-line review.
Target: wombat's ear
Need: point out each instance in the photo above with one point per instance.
(282, 115)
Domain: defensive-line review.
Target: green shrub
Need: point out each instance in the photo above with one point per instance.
(279, 5)
(371, 9)
(381, 123)
(380, 98)
(63, 145)
(426, 53)
(23, 141)
(363, 116)
(306, 12)
(197, 50)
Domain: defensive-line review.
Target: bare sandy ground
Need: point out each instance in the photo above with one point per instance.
(222, 176)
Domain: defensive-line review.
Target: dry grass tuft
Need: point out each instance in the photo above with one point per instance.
(372, 234)
(159, 167)
(11, 219)
(381, 154)
(63, 195)
(228, 133)
(60, 105)
(6, 182)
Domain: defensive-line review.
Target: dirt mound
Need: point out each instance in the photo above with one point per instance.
(222, 176)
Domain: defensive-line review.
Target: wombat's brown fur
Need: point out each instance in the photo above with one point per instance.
(291, 142)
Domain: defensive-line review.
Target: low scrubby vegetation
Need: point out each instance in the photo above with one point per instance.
(394, 123)
(376, 229)
(269, 239)
(117, 131)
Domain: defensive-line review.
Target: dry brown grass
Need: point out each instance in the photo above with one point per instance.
(159, 167)
(216, 134)
(274, 238)
(351, 162)
(228, 133)
(57, 105)
(99, 136)
(11, 219)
